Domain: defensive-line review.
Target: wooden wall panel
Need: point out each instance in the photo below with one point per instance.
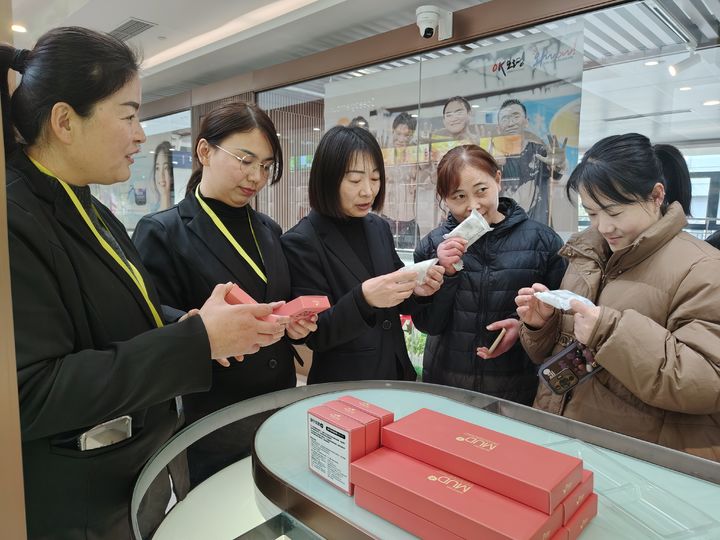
(12, 498)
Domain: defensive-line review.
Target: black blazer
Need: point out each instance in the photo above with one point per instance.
(87, 351)
(188, 256)
(346, 345)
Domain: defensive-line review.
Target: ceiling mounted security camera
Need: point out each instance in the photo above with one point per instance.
(431, 21)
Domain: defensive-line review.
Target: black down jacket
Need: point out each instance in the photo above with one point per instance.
(516, 253)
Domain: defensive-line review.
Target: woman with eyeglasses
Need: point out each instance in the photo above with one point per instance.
(214, 236)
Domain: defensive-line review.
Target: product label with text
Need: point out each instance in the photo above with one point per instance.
(329, 452)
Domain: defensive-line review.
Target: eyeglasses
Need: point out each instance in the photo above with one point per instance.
(249, 162)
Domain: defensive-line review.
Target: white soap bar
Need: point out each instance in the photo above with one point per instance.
(471, 229)
(560, 298)
(421, 268)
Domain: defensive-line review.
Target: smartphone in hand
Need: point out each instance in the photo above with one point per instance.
(499, 335)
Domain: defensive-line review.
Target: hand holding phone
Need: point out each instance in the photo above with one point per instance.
(502, 335)
(498, 339)
(571, 366)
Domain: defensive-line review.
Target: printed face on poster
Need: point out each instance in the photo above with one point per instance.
(159, 175)
(520, 103)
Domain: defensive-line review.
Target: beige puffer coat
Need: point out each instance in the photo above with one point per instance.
(658, 337)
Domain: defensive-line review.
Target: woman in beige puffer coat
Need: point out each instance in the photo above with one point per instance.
(656, 325)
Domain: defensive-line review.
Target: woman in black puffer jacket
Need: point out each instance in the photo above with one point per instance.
(516, 253)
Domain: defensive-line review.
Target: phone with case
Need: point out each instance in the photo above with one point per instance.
(565, 370)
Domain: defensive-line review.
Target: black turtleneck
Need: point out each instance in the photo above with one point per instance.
(353, 230)
(237, 223)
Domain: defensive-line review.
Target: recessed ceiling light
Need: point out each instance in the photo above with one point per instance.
(711, 102)
(18, 28)
(475, 106)
(685, 88)
(682, 65)
(652, 63)
(278, 134)
(414, 115)
(316, 129)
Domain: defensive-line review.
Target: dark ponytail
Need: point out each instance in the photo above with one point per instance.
(73, 65)
(15, 59)
(678, 186)
(625, 168)
(233, 118)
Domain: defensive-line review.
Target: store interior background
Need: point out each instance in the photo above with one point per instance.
(196, 58)
(305, 60)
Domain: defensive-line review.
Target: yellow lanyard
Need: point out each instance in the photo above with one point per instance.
(129, 268)
(226, 233)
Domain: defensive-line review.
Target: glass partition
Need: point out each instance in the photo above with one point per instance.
(160, 172)
(536, 98)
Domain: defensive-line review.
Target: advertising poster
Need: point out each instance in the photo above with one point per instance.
(521, 102)
(159, 175)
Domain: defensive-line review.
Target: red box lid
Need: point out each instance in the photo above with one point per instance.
(238, 296)
(371, 423)
(404, 519)
(303, 307)
(533, 475)
(579, 495)
(450, 502)
(582, 517)
(386, 417)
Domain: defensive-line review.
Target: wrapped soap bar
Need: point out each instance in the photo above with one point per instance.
(471, 229)
(421, 268)
(560, 298)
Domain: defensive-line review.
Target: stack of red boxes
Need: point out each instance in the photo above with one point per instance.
(340, 432)
(440, 477)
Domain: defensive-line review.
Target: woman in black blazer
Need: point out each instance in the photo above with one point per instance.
(92, 341)
(214, 236)
(343, 251)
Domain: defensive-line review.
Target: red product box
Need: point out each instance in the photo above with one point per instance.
(579, 495)
(371, 423)
(582, 517)
(450, 502)
(334, 441)
(533, 475)
(414, 524)
(237, 296)
(386, 417)
(303, 307)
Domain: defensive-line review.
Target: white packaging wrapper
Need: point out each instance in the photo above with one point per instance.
(560, 298)
(471, 229)
(421, 268)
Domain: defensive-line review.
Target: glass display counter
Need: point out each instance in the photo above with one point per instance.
(645, 491)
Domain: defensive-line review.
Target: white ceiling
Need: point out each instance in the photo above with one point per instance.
(241, 36)
(226, 37)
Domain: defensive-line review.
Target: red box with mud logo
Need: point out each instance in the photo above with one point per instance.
(533, 475)
(408, 492)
